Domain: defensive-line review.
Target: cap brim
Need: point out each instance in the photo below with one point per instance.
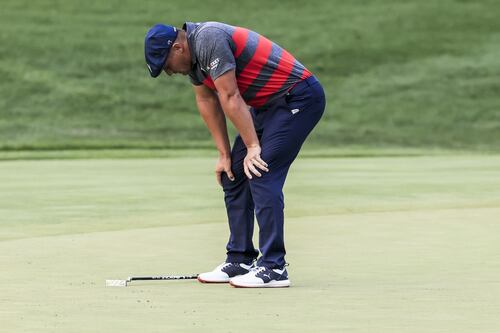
(154, 72)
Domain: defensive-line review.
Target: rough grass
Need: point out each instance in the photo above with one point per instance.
(397, 73)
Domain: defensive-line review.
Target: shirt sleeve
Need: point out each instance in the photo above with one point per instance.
(214, 52)
(194, 80)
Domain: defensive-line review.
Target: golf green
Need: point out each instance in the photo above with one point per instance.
(387, 244)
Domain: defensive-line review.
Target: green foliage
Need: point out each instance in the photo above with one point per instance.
(396, 73)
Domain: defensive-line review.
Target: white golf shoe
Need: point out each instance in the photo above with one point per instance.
(262, 277)
(224, 272)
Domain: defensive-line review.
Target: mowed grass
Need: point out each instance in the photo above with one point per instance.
(396, 73)
(390, 244)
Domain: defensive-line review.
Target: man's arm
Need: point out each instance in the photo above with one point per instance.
(211, 112)
(213, 116)
(235, 108)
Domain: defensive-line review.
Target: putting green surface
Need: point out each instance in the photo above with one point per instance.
(390, 244)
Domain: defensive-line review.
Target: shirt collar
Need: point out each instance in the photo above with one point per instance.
(190, 29)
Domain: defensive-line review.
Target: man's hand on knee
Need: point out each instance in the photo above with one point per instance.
(253, 161)
(223, 165)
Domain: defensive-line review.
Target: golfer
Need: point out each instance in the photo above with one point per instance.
(274, 102)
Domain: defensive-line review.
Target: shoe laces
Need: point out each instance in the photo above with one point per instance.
(224, 265)
(227, 264)
(258, 269)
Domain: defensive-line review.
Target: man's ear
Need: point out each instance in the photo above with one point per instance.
(178, 47)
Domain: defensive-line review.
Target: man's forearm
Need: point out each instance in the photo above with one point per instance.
(237, 111)
(215, 120)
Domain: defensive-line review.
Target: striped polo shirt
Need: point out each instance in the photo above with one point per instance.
(264, 70)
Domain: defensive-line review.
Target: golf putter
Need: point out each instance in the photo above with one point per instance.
(124, 283)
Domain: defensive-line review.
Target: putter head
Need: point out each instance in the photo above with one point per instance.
(116, 283)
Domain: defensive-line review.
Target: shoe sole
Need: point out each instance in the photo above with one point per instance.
(272, 284)
(205, 281)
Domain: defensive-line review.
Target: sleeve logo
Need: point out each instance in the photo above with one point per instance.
(214, 64)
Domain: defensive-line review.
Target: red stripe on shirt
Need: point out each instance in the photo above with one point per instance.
(263, 96)
(209, 83)
(306, 74)
(259, 59)
(240, 37)
(277, 79)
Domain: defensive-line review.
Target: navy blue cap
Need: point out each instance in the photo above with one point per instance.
(157, 44)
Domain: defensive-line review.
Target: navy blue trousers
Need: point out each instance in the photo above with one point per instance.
(282, 129)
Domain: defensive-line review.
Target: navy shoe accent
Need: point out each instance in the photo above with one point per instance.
(267, 274)
(233, 269)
